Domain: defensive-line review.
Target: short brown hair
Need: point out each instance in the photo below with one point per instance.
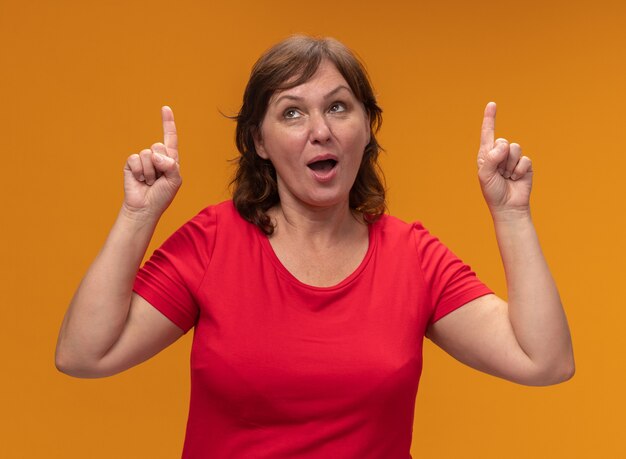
(288, 64)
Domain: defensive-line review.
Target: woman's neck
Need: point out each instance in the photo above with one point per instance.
(316, 226)
(319, 246)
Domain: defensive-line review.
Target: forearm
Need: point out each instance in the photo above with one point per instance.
(99, 308)
(535, 309)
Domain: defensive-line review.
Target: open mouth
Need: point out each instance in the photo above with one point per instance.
(324, 165)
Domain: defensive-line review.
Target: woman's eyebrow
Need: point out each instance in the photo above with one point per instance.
(289, 97)
(327, 96)
(336, 90)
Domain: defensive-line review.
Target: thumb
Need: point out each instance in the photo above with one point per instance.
(167, 166)
(492, 159)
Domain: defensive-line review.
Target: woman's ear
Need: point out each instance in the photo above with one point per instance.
(258, 144)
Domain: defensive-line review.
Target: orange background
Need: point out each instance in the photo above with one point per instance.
(81, 84)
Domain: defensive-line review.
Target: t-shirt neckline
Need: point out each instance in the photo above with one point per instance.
(285, 273)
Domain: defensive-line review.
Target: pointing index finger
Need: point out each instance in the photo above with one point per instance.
(487, 132)
(170, 137)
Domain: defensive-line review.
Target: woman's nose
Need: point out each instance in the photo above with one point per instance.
(320, 130)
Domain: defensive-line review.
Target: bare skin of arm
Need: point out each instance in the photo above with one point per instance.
(108, 328)
(526, 340)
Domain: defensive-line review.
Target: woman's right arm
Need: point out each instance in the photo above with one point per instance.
(108, 328)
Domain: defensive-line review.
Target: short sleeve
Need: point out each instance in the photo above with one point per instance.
(450, 282)
(171, 277)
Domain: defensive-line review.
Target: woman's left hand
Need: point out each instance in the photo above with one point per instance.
(529, 340)
(505, 175)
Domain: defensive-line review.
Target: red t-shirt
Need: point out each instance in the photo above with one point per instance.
(281, 369)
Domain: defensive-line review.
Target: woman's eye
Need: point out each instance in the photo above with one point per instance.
(337, 107)
(291, 113)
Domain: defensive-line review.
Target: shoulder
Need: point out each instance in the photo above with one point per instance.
(199, 232)
(394, 228)
(412, 240)
(223, 213)
(212, 211)
(221, 223)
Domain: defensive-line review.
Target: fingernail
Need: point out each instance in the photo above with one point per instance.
(506, 174)
(513, 177)
(142, 178)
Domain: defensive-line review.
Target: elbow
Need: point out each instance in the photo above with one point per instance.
(567, 372)
(565, 368)
(63, 365)
(77, 371)
(67, 366)
(570, 369)
(76, 368)
(560, 376)
(555, 374)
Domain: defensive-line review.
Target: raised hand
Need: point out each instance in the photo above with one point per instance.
(505, 175)
(152, 177)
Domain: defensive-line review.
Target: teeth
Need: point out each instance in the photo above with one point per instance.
(323, 165)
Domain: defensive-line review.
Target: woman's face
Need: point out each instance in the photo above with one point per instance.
(315, 134)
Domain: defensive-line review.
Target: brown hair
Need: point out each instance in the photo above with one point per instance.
(288, 64)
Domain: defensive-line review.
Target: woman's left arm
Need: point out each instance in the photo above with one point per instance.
(527, 340)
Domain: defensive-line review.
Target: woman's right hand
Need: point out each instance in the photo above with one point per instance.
(152, 177)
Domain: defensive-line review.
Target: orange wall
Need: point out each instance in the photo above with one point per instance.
(81, 84)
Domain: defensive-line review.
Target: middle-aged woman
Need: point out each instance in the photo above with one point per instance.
(309, 304)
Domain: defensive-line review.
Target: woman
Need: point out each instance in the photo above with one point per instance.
(310, 305)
